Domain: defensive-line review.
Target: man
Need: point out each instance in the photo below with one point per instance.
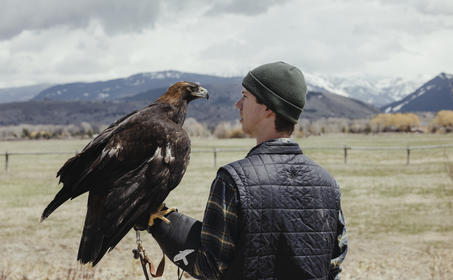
(274, 214)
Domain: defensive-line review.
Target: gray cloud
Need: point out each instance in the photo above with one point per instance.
(431, 7)
(60, 41)
(242, 7)
(115, 16)
(17, 16)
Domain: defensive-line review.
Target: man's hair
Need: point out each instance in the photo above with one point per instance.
(281, 124)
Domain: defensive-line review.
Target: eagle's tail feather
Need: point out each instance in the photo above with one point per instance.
(59, 199)
(120, 233)
(92, 237)
(67, 177)
(72, 175)
(128, 214)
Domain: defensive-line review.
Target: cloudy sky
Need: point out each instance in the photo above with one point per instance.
(56, 41)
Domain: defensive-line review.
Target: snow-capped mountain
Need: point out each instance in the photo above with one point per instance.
(433, 96)
(320, 83)
(375, 91)
(123, 87)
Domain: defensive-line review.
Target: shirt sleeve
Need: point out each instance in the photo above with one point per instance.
(219, 232)
(340, 249)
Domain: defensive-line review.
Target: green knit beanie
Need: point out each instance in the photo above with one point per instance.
(279, 86)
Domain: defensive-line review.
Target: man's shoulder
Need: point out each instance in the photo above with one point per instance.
(257, 159)
(228, 168)
(224, 174)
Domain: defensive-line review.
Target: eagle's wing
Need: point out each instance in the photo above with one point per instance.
(84, 170)
(68, 172)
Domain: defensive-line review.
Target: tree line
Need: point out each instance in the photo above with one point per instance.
(442, 122)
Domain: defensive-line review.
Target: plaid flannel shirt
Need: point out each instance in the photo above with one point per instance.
(220, 232)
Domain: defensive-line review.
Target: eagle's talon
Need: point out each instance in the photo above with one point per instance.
(160, 214)
(167, 221)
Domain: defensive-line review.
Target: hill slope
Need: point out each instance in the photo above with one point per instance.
(14, 94)
(433, 96)
(320, 105)
(63, 112)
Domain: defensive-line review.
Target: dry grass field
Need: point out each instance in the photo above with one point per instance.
(399, 217)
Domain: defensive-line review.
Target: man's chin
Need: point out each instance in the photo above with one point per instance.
(246, 131)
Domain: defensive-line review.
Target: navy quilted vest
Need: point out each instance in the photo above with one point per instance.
(288, 214)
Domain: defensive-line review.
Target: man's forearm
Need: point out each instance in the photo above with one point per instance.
(213, 241)
(180, 241)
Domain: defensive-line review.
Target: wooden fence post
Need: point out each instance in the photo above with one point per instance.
(408, 155)
(6, 161)
(215, 157)
(345, 155)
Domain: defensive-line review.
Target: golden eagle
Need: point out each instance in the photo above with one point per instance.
(128, 170)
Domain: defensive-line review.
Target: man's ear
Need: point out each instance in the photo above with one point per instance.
(269, 113)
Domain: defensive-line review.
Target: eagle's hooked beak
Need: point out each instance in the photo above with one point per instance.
(201, 93)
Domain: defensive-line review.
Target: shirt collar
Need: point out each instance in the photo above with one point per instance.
(276, 146)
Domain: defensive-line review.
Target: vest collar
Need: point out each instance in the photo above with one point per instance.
(276, 146)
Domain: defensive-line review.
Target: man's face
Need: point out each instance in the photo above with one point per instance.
(252, 113)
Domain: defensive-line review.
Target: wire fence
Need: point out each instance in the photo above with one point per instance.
(215, 151)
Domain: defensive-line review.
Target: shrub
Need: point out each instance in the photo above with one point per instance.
(226, 130)
(444, 118)
(194, 128)
(26, 133)
(398, 122)
(237, 132)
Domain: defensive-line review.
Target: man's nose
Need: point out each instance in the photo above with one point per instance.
(238, 104)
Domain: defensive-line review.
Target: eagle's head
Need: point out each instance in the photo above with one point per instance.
(184, 91)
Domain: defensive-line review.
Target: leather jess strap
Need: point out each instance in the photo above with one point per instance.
(145, 261)
(152, 269)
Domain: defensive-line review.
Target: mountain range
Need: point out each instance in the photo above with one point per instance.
(219, 107)
(375, 91)
(105, 101)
